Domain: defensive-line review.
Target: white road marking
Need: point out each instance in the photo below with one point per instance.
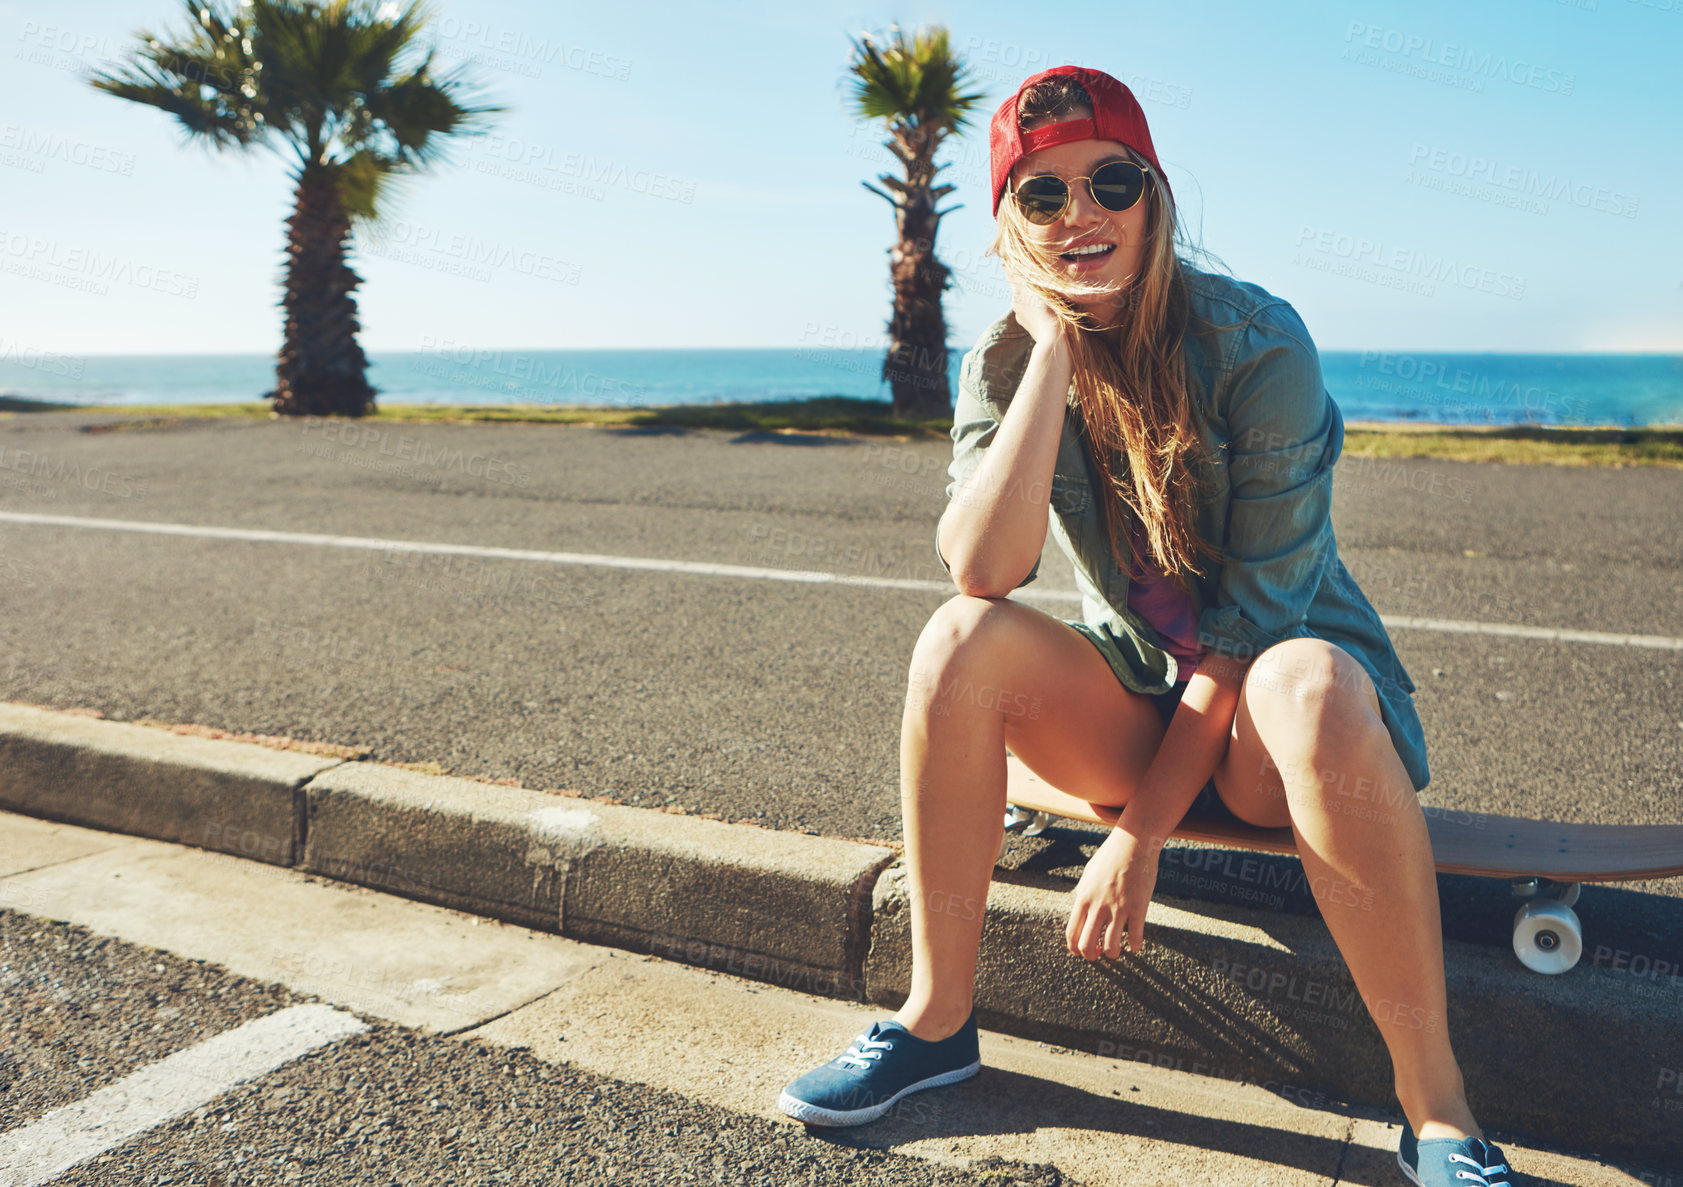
(45, 1149)
(1663, 642)
(752, 572)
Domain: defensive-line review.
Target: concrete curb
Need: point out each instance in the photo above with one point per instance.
(233, 797)
(795, 907)
(1223, 991)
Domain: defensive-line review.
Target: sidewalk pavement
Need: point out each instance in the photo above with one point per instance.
(725, 1040)
(1235, 1008)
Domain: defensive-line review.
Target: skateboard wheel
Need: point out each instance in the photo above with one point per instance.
(1569, 894)
(1547, 936)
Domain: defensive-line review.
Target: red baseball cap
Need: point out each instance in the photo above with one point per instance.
(1116, 116)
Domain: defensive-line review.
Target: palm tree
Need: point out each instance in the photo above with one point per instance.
(327, 85)
(914, 85)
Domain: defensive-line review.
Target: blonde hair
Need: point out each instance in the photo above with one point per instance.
(1130, 377)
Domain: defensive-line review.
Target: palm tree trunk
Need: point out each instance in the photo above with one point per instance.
(916, 364)
(321, 370)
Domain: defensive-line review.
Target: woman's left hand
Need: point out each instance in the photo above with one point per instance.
(1112, 896)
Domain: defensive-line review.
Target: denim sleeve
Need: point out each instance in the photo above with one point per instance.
(972, 432)
(1285, 435)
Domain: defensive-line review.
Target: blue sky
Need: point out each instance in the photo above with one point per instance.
(1425, 176)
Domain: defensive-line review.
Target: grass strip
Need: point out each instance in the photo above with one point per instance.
(850, 416)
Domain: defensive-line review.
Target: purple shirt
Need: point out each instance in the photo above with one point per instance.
(1162, 603)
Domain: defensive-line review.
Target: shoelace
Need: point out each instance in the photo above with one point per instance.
(863, 1051)
(1481, 1175)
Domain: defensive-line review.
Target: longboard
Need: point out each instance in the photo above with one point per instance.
(1545, 860)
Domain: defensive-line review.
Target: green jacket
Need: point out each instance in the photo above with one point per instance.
(1266, 416)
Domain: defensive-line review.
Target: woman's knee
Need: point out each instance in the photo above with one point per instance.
(961, 631)
(1307, 692)
(967, 639)
(1316, 711)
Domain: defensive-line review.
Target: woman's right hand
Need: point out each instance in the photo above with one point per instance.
(1111, 899)
(1033, 314)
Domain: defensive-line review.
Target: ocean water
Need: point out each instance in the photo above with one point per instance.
(1485, 389)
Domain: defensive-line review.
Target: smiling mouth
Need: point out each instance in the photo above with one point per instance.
(1087, 253)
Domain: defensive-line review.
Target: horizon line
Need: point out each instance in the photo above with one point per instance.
(1662, 352)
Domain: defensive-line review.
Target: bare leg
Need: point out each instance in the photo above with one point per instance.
(1366, 852)
(987, 673)
(952, 798)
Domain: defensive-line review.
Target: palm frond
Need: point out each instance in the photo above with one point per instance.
(202, 119)
(417, 111)
(205, 77)
(364, 180)
(913, 79)
(344, 85)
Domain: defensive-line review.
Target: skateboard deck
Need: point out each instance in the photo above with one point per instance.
(1547, 934)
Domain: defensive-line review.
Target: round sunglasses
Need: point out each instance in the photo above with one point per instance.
(1116, 186)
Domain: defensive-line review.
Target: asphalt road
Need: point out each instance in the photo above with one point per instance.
(767, 700)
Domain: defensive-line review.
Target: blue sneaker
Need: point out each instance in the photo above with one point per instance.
(884, 1064)
(1454, 1162)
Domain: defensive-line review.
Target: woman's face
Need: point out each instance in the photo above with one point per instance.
(1084, 222)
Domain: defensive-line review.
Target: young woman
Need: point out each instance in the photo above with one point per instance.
(1176, 424)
